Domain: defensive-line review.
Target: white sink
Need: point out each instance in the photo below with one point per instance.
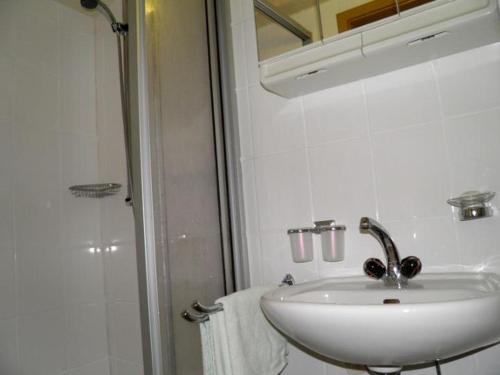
(438, 316)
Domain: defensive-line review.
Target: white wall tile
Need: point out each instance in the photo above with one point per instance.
(470, 81)
(433, 240)
(7, 28)
(37, 35)
(250, 196)
(6, 83)
(283, 191)
(342, 369)
(42, 343)
(35, 98)
(277, 123)
(411, 172)
(121, 272)
(420, 156)
(117, 221)
(7, 235)
(37, 212)
(120, 367)
(78, 83)
(80, 216)
(421, 370)
(464, 365)
(247, 9)
(335, 114)
(8, 346)
(80, 221)
(239, 56)
(474, 151)
(244, 123)
(112, 164)
(342, 181)
(250, 39)
(83, 274)
(6, 150)
(254, 259)
(236, 11)
(76, 19)
(300, 363)
(36, 159)
(86, 338)
(124, 331)
(49, 277)
(401, 98)
(7, 283)
(487, 361)
(277, 260)
(479, 241)
(39, 279)
(96, 368)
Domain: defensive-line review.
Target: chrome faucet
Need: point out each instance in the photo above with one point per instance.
(396, 273)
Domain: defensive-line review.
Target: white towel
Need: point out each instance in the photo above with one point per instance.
(240, 341)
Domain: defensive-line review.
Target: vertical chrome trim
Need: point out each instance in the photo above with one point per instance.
(143, 194)
(218, 120)
(231, 134)
(320, 20)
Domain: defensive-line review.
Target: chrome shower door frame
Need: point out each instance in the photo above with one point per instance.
(156, 317)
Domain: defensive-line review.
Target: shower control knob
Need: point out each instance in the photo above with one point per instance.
(410, 267)
(374, 268)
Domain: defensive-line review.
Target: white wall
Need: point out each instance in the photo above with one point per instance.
(394, 147)
(51, 289)
(57, 293)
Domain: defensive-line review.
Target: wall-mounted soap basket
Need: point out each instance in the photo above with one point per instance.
(95, 190)
(473, 205)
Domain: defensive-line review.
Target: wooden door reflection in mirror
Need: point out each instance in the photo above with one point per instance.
(373, 11)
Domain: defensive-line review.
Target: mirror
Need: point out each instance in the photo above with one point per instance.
(286, 25)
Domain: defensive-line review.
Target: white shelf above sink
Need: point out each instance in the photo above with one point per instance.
(413, 37)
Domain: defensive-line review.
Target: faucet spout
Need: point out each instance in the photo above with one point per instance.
(397, 272)
(368, 225)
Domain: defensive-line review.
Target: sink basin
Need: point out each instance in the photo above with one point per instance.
(359, 320)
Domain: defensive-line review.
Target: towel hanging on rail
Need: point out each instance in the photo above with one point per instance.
(238, 340)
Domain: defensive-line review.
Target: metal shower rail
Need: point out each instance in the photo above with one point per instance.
(294, 27)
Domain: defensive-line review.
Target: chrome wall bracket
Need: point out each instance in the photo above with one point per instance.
(288, 280)
(202, 313)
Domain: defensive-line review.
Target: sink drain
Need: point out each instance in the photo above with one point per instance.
(391, 301)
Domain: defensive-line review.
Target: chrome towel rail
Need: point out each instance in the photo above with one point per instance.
(194, 317)
(202, 313)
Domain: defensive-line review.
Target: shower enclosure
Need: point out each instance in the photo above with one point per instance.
(68, 274)
(88, 284)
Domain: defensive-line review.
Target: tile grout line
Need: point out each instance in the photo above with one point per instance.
(446, 151)
(308, 171)
(371, 150)
(255, 198)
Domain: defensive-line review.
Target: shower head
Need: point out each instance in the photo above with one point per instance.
(89, 4)
(117, 27)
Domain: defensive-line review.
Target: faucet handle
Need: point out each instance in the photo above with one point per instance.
(410, 267)
(375, 268)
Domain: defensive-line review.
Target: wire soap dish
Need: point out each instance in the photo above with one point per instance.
(95, 190)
